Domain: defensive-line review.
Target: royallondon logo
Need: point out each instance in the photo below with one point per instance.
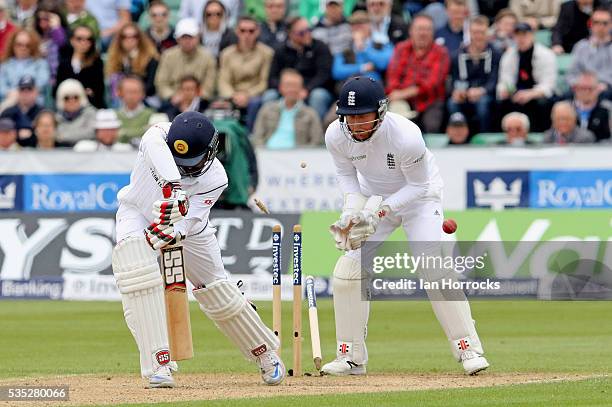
(571, 189)
(497, 189)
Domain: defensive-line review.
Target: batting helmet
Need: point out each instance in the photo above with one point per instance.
(193, 142)
(360, 95)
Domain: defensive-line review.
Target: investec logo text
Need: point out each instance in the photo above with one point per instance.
(550, 194)
(96, 196)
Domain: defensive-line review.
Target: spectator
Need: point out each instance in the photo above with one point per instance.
(457, 130)
(594, 54)
(503, 36)
(564, 129)
(451, 35)
(527, 78)
(24, 112)
(515, 126)
(244, 69)
(187, 58)
(75, 116)
(45, 131)
(195, 9)
(544, 12)
(385, 27)
(572, 24)
(417, 74)
(474, 76)
(362, 57)
(131, 53)
(23, 13)
(332, 28)
(592, 113)
(132, 113)
(216, 33)
(48, 24)
(489, 8)
(77, 15)
(8, 135)
(107, 134)
(22, 57)
(83, 63)
(288, 123)
(314, 10)
(6, 26)
(312, 60)
(160, 31)
(187, 98)
(111, 16)
(274, 28)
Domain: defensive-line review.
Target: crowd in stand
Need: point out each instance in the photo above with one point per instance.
(95, 74)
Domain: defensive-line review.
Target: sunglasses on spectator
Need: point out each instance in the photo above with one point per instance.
(247, 30)
(163, 14)
(214, 14)
(129, 36)
(303, 32)
(71, 97)
(22, 44)
(82, 39)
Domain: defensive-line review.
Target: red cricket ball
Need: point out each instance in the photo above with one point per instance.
(449, 226)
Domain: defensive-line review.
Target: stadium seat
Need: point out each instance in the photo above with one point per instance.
(484, 139)
(543, 37)
(436, 140)
(536, 138)
(564, 61)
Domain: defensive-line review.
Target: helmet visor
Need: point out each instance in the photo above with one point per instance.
(193, 167)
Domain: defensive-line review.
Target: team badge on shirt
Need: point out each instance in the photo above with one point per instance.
(390, 161)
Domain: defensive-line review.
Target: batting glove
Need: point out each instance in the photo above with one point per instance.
(159, 236)
(173, 207)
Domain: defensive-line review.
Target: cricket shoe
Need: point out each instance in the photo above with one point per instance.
(473, 362)
(161, 378)
(272, 368)
(343, 366)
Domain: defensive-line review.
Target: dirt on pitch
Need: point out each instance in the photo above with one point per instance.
(109, 390)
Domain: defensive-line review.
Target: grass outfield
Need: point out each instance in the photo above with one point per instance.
(49, 338)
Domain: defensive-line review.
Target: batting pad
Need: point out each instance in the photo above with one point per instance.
(223, 303)
(350, 310)
(140, 283)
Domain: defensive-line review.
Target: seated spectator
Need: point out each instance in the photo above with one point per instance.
(572, 24)
(244, 69)
(131, 53)
(22, 58)
(132, 113)
(332, 28)
(45, 131)
(187, 98)
(6, 26)
(474, 76)
(160, 31)
(75, 116)
(543, 12)
(515, 126)
(288, 123)
(527, 78)
(84, 64)
(313, 61)
(274, 28)
(24, 112)
(76, 15)
(417, 73)
(107, 134)
(451, 35)
(564, 129)
(23, 13)
(457, 129)
(195, 9)
(503, 30)
(592, 113)
(111, 16)
(216, 32)
(594, 54)
(49, 25)
(385, 26)
(187, 58)
(8, 135)
(363, 56)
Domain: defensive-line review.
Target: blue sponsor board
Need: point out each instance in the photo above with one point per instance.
(497, 189)
(11, 192)
(49, 289)
(571, 189)
(72, 192)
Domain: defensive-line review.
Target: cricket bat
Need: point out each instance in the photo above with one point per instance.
(177, 304)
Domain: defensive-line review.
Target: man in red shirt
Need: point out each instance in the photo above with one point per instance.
(6, 27)
(417, 73)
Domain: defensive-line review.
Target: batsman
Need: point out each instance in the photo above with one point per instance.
(174, 184)
(389, 179)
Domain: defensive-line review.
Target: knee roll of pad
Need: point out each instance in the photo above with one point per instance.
(135, 266)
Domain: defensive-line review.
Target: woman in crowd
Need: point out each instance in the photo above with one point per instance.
(131, 53)
(216, 34)
(83, 63)
(45, 131)
(48, 24)
(75, 116)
